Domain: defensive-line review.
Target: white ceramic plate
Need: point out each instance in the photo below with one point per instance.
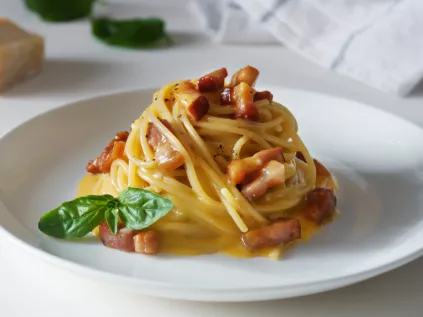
(377, 158)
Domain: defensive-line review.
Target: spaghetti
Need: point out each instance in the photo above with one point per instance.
(230, 159)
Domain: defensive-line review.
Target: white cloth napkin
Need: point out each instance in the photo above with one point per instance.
(378, 42)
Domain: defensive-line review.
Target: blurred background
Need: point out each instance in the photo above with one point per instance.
(377, 43)
(369, 51)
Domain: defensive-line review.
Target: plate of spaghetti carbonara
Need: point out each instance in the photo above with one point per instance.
(211, 179)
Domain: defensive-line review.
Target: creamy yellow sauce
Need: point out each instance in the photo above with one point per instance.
(233, 246)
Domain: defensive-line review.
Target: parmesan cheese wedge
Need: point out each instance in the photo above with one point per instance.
(21, 54)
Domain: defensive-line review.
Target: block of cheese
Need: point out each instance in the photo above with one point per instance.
(21, 54)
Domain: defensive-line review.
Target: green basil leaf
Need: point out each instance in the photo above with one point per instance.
(134, 33)
(112, 220)
(139, 208)
(60, 10)
(76, 218)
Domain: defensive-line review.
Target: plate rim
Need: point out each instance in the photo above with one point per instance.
(164, 290)
(213, 294)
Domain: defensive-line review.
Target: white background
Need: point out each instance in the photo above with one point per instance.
(78, 66)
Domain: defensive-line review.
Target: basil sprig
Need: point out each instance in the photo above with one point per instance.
(137, 208)
(133, 33)
(60, 10)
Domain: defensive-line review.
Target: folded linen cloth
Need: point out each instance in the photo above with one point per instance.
(377, 42)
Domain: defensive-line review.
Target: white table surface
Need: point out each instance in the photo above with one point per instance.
(78, 66)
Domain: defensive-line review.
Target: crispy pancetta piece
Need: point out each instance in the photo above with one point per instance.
(241, 94)
(114, 150)
(165, 154)
(227, 96)
(147, 242)
(122, 240)
(130, 240)
(243, 99)
(321, 204)
(246, 75)
(261, 95)
(245, 170)
(196, 104)
(213, 81)
(280, 232)
(272, 174)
